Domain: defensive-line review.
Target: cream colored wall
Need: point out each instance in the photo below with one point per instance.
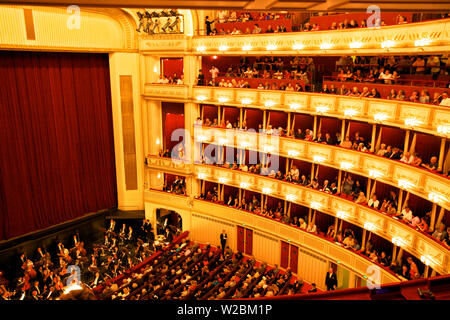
(127, 64)
(98, 31)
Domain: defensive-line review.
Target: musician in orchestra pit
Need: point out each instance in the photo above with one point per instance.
(106, 242)
(130, 233)
(112, 225)
(98, 279)
(122, 231)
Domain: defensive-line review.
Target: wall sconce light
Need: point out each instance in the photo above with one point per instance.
(247, 47)
(298, 46)
(322, 109)
(380, 117)
(201, 48)
(271, 47)
(266, 190)
(412, 122)
(342, 214)
(294, 106)
(326, 46)
(291, 197)
(246, 101)
(436, 197)
(346, 165)
(428, 260)
(223, 180)
(350, 112)
(398, 241)
(318, 159)
(201, 176)
(422, 42)
(223, 48)
(369, 226)
(244, 185)
(388, 44)
(293, 153)
(355, 45)
(443, 129)
(223, 99)
(405, 184)
(375, 174)
(201, 98)
(269, 103)
(315, 205)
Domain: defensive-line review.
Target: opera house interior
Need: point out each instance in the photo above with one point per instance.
(224, 150)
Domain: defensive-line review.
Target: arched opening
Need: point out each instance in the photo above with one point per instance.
(168, 223)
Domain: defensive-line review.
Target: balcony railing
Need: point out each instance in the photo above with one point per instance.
(426, 118)
(414, 241)
(419, 181)
(387, 227)
(280, 231)
(420, 38)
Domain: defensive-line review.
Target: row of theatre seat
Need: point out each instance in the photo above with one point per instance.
(213, 284)
(385, 89)
(419, 289)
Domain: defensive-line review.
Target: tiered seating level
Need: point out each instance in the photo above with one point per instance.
(281, 231)
(434, 120)
(426, 118)
(415, 242)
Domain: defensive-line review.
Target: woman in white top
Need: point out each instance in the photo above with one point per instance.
(373, 202)
(407, 158)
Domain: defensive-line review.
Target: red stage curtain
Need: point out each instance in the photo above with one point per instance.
(171, 123)
(56, 139)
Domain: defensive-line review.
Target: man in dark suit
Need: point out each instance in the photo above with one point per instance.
(223, 240)
(331, 280)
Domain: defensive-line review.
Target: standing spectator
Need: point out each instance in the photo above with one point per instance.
(331, 280)
(208, 26)
(435, 63)
(214, 72)
(223, 240)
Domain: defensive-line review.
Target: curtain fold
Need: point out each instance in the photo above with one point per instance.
(56, 139)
